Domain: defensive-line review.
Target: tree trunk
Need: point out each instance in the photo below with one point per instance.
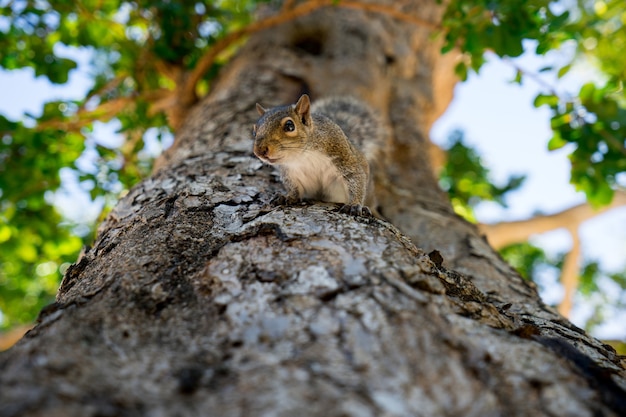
(199, 299)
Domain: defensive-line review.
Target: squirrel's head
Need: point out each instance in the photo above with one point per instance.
(282, 132)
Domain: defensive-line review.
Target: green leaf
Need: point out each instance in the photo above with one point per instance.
(587, 91)
(556, 142)
(589, 279)
(546, 99)
(563, 70)
(460, 70)
(467, 180)
(527, 259)
(601, 195)
(561, 120)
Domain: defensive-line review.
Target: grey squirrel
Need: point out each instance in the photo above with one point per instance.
(316, 149)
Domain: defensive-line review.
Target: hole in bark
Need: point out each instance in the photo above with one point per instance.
(312, 42)
(310, 46)
(436, 257)
(189, 379)
(381, 211)
(390, 60)
(221, 309)
(300, 86)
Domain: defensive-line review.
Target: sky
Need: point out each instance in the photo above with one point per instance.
(497, 117)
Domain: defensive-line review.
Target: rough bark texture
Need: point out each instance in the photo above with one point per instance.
(198, 299)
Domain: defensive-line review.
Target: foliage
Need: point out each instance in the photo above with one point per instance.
(593, 120)
(33, 242)
(467, 180)
(477, 26)
(604, 293)
(596, 125)
(529, 260)
(136, 49)
(590, 123)
(468, 184)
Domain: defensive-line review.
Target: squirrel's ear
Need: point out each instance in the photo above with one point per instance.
(260, 109)
(303, 109)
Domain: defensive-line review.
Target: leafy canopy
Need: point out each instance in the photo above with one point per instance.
(593, 120)
(467, 180)
(151, 59)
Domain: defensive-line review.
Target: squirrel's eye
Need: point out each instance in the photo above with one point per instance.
(289, 126)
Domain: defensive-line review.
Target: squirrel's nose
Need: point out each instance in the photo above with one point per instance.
(261, 150)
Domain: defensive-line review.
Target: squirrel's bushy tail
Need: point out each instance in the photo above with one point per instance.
(358, 121)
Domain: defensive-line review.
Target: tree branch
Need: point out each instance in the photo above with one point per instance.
(438, 158)
(83, 117)
(8, 339)
(288, 4)
(536, 78)
(570, 275)
(502, 234)
(159, 100)
(110, 85)
(613, 141)
(390, 11)
(187, 92)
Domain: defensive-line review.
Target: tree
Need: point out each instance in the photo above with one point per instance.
(197, 298)
(157, 58)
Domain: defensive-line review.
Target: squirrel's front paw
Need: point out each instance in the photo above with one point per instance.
(283, 200)
(356, 210)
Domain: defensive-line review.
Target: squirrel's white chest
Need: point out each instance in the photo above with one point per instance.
(316, 177)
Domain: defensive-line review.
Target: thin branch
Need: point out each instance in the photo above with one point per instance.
(570, 275)
(613, 141)
(606, 135)
(104, 111)
(9, 338)
(502, 234)
(171, 103)
(159, 100)
(287, 5)
(390, 11)
(82, 116)
(188, 95)
(110, 85)
(171, 71)
(438, 158)
(535, 78)
(165, 101)
(207, 60)
(506, 233)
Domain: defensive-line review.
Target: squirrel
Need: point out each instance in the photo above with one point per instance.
(318, 150)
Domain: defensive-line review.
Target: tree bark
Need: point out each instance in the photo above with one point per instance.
(197, 298)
